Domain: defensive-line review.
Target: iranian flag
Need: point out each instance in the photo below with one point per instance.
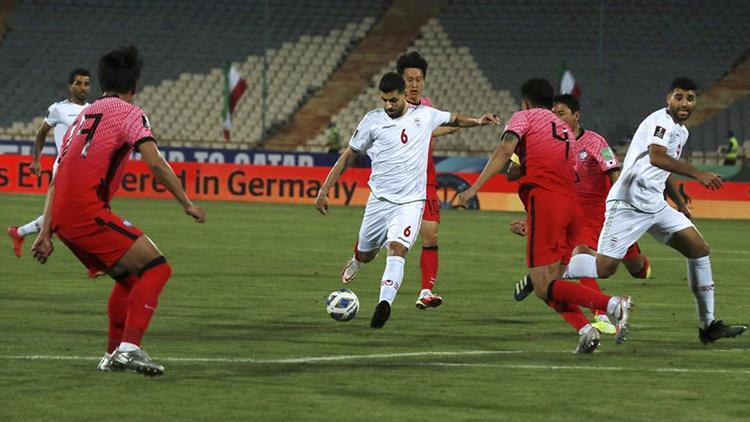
(568, 84)
(234, 87)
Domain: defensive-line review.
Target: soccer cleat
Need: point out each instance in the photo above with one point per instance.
(588, 339)
(428, 300)
(523, 288)
(620, 317)
(718, 330)
(602, 323)
(381, 315)
(350, 270)
(17, 241)
(94, 273)
(105, 364)
(136, 361)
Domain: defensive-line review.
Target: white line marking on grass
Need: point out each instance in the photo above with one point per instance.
(590, 368)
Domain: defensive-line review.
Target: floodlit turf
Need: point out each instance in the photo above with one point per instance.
(242, 331)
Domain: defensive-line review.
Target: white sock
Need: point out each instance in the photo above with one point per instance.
(35, 226)
(392, 278)
(702, 284)
(127, 347)
(581, 265)
(425, 292)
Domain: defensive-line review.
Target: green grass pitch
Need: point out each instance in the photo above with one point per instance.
(242, 331)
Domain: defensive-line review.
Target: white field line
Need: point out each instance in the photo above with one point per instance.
(392, 356)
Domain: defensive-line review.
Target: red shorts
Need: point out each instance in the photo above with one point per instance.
(432, 205)
(552, 229)
(99, 240)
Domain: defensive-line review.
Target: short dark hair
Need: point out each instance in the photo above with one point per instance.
(392, 81)
(538, 92)
(569, 100)
(411, 60)
(77, 72)
(683, 82)
(119, 70)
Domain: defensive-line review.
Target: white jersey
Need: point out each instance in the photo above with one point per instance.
(60, 115)
(398, 149)
(642, 184)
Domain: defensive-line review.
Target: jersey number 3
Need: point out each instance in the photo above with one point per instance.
(404, 137)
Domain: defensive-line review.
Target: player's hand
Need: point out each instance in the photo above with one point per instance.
(465, 197)
(686, 211)
(321, 203)
(42, 248)
(197, 213)
(36, 167)
(489, 119)
(518, 227)
(710, 180)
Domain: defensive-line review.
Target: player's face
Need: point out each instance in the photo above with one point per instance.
(80, 87)
(566, 114)
(681, 103)
(394, 103)
(414, 84)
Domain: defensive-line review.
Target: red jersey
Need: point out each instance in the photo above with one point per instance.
(431, 174)
(94, 152)
(546, 150)
(594, 159)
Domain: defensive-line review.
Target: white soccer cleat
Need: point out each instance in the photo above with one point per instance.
(427, 299)
(137, 361)
(350, 270)
(620, 318)
(105, 364)
(588, 339)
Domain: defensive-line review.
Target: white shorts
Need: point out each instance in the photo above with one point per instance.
(386, 222)
(624, 225)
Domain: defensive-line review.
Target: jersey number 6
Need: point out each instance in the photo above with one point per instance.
(404, 138)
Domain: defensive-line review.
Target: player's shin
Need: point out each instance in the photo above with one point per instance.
(31, 227)
(144, 298)
(702, 285)
(571, 292)
(392, 278)
(572, 314)
(117, 310)
(581, 265)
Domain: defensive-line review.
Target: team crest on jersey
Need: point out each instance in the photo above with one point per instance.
(582, 155)
(659, 132)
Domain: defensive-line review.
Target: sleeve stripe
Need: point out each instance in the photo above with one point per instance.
(143, 140)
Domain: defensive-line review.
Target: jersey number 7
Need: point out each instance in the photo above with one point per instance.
(97, 117)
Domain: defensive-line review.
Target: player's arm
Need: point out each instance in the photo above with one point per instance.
(657, 154)
(674, 194)
(502, 154)
(164, 174)
(43, 247)
(345, 159)
(459, 120)
(444, 130)
(41, 135)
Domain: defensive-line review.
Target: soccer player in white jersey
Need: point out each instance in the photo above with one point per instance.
(636, 205)
(397, 139)
(59, 116)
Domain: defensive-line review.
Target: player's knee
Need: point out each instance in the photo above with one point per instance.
(429, 238)
(606, 268)
(397, 249)
(366, 256)
(700, 250)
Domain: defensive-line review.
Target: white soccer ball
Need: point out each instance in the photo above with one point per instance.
(342, 305)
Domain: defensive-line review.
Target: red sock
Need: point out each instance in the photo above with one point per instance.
(429, 266)
(577, 294)
(592, 284)
(117, 309)
(144, 297)
(572, 314)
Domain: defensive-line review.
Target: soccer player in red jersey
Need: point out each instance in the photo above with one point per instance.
(91, 164)
(596, 169)
(413, 68)
(546, 150)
